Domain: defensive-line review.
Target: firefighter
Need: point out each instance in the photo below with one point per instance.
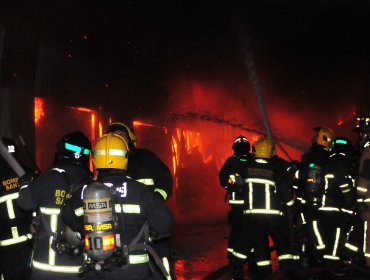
(47, 195)
(363, 183)
(336, 204)
(231, 177)
(267, 199)
(309, 181)
(15, 235)
(146, 167)
(134, 206)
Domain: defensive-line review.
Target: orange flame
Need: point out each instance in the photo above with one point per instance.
(38, 109)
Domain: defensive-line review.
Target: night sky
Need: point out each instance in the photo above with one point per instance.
(129, 57)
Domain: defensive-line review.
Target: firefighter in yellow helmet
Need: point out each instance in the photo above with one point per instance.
(267, 199)
(146, 167)
(308, 185)
(136, 212)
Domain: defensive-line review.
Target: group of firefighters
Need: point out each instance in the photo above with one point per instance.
(68, 223)
(313, 213)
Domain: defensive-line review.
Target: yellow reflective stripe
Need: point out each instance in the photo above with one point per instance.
(365, 232)
(346, 211)
(250, 195)
(362, 189)
(286, 257)
(290, 203)
(146, 181)
(162, 192)
(351, 247)
(166, 265)
(10, 208)
(367, 255)
(234, 201)
(329, 209)
(230, 250)
(262, 211)
(259, 181)
(331, 257)
(111, 152)
(303, 218)
(267, 196)
(318, 236)
(343, 186)
(263, 263)
(337, 235)
(239, 255)
(79, 212)
(50, 211)
(346, 191)
(16, 240)
(260, 160)
(9, 197)
(53, 213)
(15, 233)
(127, 208)
(55, 268)
(137, 259)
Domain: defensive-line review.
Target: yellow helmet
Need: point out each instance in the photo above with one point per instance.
(324, 137)
(263, 147)
(118, 127)
(110, 151)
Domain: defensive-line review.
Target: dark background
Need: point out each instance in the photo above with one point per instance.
(129, 58)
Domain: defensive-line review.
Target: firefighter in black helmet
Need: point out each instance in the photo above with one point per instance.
(146, 167)
(47, 195)
(231, 176)
(267, 199)
(15, 236)
(136, 211)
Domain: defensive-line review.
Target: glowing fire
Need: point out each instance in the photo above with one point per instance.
(38, 109)
(139, 123)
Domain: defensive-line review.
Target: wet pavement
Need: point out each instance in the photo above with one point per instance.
(200, 249)
(199, 252)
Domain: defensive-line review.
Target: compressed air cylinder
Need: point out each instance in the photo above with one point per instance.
(98, 222)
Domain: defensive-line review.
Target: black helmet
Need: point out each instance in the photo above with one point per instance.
(74, 146)
(342, 145)
(241, 145)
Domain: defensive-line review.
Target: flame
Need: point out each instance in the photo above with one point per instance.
(100, 129)
(139, 123)
(82, 109)
(38, 109)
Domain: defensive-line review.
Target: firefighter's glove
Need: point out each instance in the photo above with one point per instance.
(236, 183)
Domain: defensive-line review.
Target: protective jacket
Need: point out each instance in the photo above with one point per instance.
(234, 166)
(268, 198)
(47, 195)
(363, 192)
(336, 203)
(134, 204)
(146, 167)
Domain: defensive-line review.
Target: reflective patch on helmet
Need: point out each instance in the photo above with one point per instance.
(72, 148)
